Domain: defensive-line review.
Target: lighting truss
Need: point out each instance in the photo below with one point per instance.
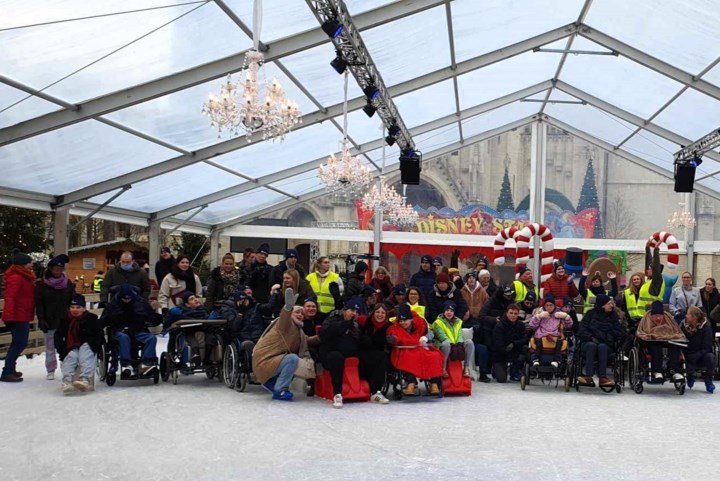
(698, 148)
(352, 49)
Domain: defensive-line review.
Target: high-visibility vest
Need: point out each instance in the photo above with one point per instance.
(521, 291)
(326, 302)
(634, 308)
(452, 332)
(416, 308)
(590, 300)
(645, 298)
(97, 284)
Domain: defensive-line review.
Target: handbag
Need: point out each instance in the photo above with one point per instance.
(457, 352)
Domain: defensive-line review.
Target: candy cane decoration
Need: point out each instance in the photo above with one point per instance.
(672, 244)
(547, 247)
(500, 240)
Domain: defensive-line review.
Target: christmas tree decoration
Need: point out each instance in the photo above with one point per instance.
(589, 198)
(22, 229)
(505, 200)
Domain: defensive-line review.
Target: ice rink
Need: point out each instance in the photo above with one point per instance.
(200, 430)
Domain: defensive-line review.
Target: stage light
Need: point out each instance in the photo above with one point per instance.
(696, 161)
(393, 132)
(369, 109)
(371, 92)
(333, 28)
(339, 64)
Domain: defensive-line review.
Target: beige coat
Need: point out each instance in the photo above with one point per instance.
(475, 299)
(667, 330)
(172, 286)
(284, 337)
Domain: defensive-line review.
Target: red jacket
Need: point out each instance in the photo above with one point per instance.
(423, 363)
(19, 295)
(560, 288)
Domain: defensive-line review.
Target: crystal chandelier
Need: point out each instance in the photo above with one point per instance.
(239, 109)
(383, 198)
(405, 215)
(346, 175)
(681, 220)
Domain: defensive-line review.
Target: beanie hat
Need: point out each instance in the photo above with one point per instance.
(656, 308)
(437, 260)
(531, 296)
(567, 301)
(291, 253)
(240, 295)
(557, 265)
(426, 258)
(165, 249)
(59, 260)
(312, 299)
(399, 289)
(482, 260)
(509, 291)
(523, 270)
(78, 300)
(127, 292)
(264, 249)
(361, 267)
(355, 302)
(442, 277)
(449, 305)
(549, 298)
(472, 274)
(404, 312)
(185, 296)
(21, 259)
(601, 300)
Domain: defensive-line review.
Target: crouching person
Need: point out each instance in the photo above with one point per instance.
(448, 332)
(77, 340)
(699, 351)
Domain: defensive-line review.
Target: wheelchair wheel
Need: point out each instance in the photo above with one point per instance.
(243, 380)
(638, 388)
(567, 382)
(230, 366)
(680, 387)
(525, 378)
(101, 364)
(174, 375)
(156, 377)
(110, 378)
(633, 374)
(165, 366)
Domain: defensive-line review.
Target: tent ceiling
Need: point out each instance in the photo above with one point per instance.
(115, 100)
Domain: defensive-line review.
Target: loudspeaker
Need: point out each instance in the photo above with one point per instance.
(410, 171)
(684, 178)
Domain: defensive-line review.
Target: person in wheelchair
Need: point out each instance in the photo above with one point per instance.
(447, 330)
(600, 331)
(509, 345)
(411, 354)
(204, 347)
(129, 316)
(699, 351)
(658, 325)
(549, 324)
(244, 319)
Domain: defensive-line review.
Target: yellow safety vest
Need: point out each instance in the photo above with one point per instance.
(326, 302)
(645, 299)
(452, 332)
(416, 308)
(634, 308)
(590, 300)
(97, 284)
(521, 291)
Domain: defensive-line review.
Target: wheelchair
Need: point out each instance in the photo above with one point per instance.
(615, 363)
(545, 372)
(184, 357)
(108, 361)
(639, 370)
(237, 364)
(395, 380)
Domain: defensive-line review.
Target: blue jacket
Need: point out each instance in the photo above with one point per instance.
(425, 281)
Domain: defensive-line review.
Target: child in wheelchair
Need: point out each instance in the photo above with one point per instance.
(549, 324)
(199, 345)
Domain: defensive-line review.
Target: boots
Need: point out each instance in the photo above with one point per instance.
(409, 389)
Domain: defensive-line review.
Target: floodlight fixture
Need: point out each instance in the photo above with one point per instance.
(369, 109)
(371, 92)
(339, 63)
(333, 28)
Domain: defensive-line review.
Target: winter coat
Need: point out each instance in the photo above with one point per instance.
(337, 334)
(375, 336)
(19, 295)
(437, 299)
(474, 299)
(385, 287)
(504, 334)
(421, 362)
(163, 268)
(131, 317)
(440, 334)
(284, 337)
(491, 287)
(248, 325)
(52, 305)
(90, 333)
(710, 301)
(550, 325)
(215, 294)
(559, 287)
(681, 299)
(601, 327)
(279, 270)
(116, 277)
(355, 285)
(259, 278)
(172, 287)
(490, 313)
(700, 342)
(596, 291)
(425, 281)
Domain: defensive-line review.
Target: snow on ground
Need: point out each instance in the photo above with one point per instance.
(200, 430)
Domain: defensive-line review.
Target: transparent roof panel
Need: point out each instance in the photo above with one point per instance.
(161, 192)
(426, 104)
(361, 128)
(691, 115)
(498, 117)
(40, 56)
(411, 46)
(25, 110)
(713, 76)
(506, 77)
(618, 80)
(359, 6)
(482, 27)
(684, 34)
(302, 145)
(595, 122)
(241, 204)
(280, 18)
(76, 156)
(178, 119)
(437, 139)
(300, 184)
(652, 148)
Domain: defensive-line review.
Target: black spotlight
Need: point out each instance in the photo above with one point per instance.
(393, 132)
(333, 28)
(371, 92)
(339, 64)
(369, 109)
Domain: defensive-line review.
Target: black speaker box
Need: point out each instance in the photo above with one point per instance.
(410, 171)
(684, 178)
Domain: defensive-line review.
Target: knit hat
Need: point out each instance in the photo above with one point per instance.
(59, 260)
(240, 295)
(437, 260)
(567, 301)
(483, 260)
(453, 271)
(127, 292)
(522, 270)
(442, 277)
(355, 302)
(312, 299)
(601, 300)
(557, 265)
(291, 253)
(361, 267)
(185, 296)
(449, 305)
(656, 308)
(399, 290)
(165, 249)
(264, 249)
(509, 292)
(78, 300)
(549, 298)
(21, 259)
(470, 274)
(531, 296)
(404, 312)
(426, 258)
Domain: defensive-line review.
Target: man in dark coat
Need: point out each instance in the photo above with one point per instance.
(599, 332)
(509, 344)
(125, 272)
(259, 275)
(290, 262)
(164, 264)
(443, 290)
(424, 279)
(355, 285)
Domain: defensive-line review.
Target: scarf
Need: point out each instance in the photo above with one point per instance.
(22, 272)
(231, 282)
(188, 276)
(321, 278)
(58, 283)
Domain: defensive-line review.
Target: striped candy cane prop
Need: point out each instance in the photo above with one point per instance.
(671, 242)
(547, 247)
(500, 240)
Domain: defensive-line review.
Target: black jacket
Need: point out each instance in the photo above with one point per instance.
(506, 333)
(489, 314)
(701, 342)
(376, 338)
(280, 269)
(602, 327)
(337, 334)
(425, 281)
(437, 298)
(131, 318)
(162, 268)
(245, 323)
(711, 302)
(90, 332)
(354, 286)
(52, 305)
(259, 278)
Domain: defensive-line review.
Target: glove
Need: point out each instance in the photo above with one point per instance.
(544, 315)
(334, 289)
(509, 347)
(611, 275)
(290, 299)
(101, 305)
(391, 339)
(423, 340)
(274, 288)
(43, 326)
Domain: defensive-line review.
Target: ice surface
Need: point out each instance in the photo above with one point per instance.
(200, 430)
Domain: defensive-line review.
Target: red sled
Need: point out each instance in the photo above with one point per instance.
(456, 384)
(354, 388)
